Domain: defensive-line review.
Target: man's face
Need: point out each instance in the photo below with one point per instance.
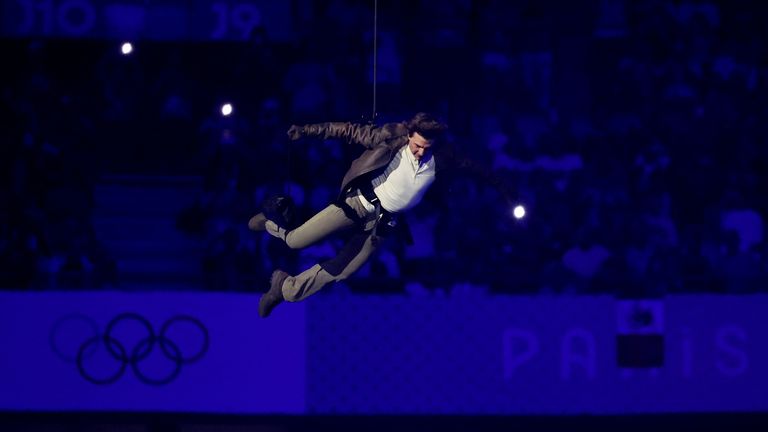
(419, 146)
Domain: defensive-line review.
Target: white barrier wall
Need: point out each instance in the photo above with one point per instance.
(335, 354)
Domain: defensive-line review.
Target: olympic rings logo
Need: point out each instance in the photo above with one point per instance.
(132, 355)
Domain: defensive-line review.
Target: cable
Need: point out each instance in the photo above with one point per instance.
(375, 40)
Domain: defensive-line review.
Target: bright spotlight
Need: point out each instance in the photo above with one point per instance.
(127, 48)
(226, 109)
(519, 212)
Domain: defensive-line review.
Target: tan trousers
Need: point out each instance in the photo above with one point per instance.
(329, 220)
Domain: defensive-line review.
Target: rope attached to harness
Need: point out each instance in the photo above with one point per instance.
(375, 40)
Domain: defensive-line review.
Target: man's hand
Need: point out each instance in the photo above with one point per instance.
(295, 132)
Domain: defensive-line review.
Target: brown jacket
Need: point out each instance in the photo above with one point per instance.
(382, 144)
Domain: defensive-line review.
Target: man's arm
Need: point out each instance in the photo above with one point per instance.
(365, 135)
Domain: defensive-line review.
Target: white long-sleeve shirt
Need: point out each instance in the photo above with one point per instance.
(403, 183)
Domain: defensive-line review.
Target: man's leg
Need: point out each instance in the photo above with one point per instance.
(328, 220)
(354, 254)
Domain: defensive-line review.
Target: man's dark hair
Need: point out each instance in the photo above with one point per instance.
(426, 125)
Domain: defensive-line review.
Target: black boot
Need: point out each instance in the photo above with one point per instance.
(270, 299)
(258, 222)
(281, 211)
